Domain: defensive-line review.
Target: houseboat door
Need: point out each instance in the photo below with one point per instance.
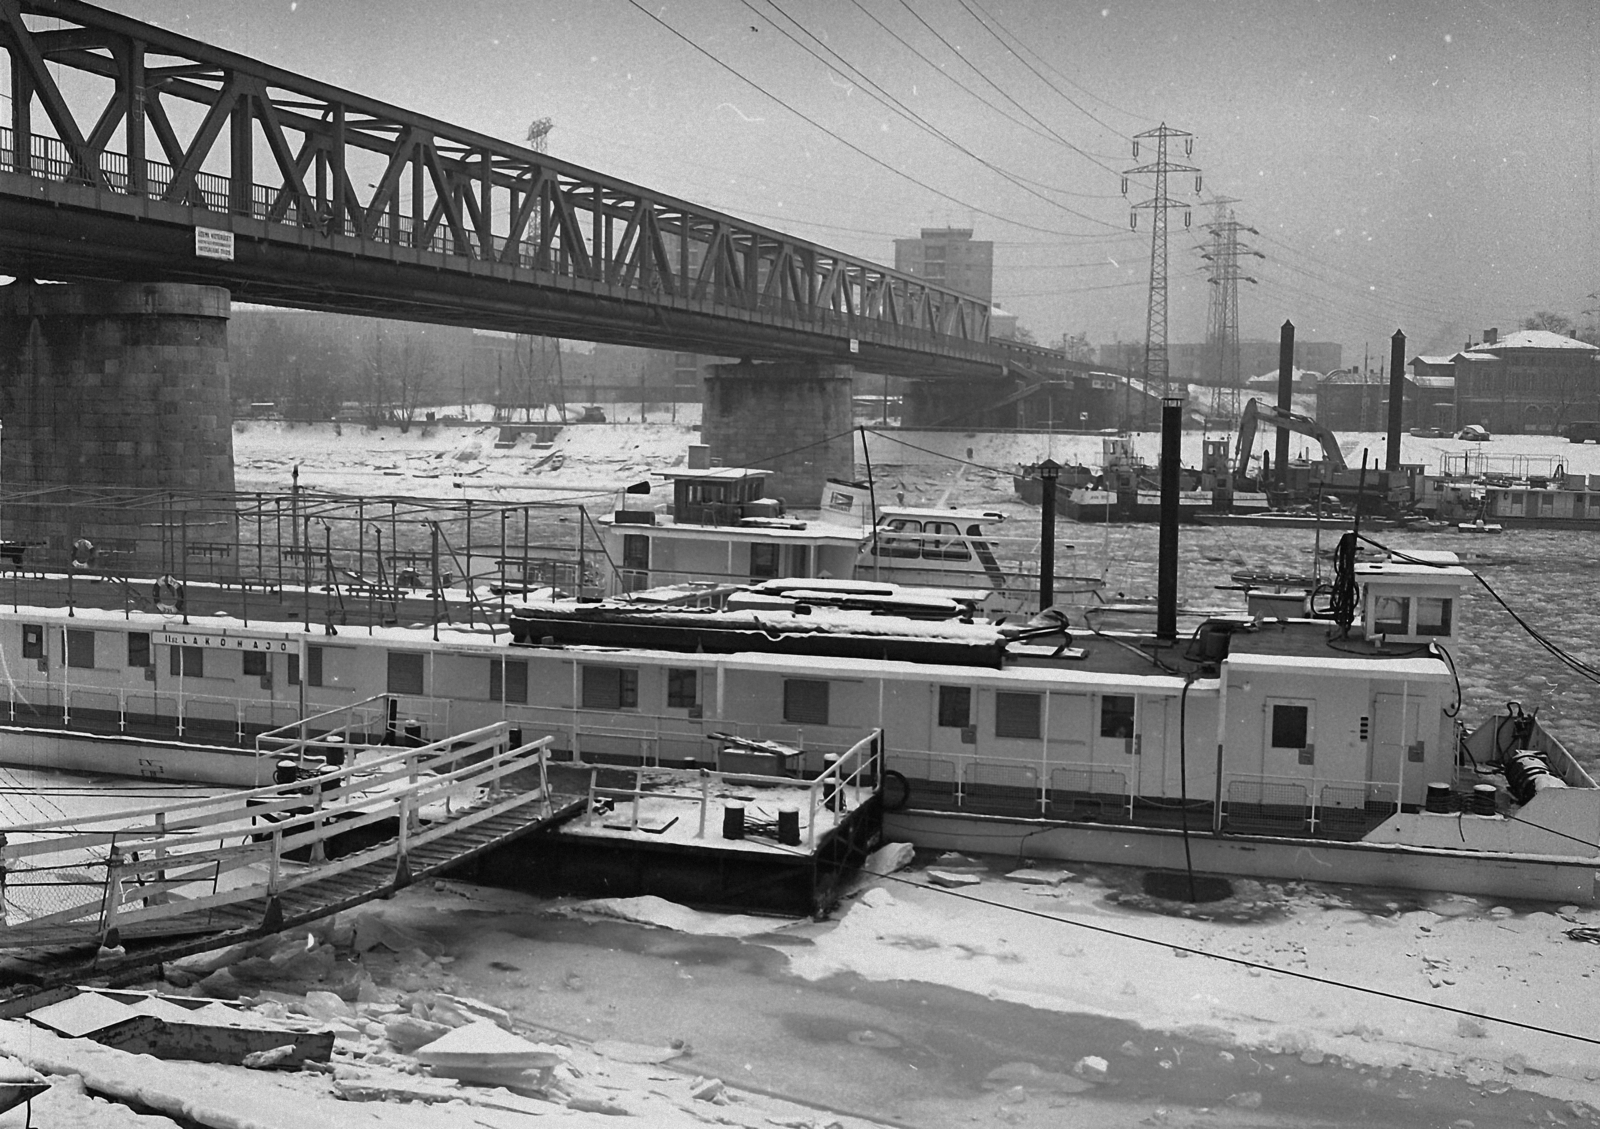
(1396, 726)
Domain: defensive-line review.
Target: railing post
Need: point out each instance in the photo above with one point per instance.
(3, 921)
(319, 851)
(112, 902)
(638, 787)
(159, 898)
(705, 800)
(402, 859)
(588, 812)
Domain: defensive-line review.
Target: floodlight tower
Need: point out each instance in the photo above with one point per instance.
(1155, 336)
(1222, 336)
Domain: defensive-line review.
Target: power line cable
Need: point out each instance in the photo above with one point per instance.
(852, 146)
(1024, 45)
(883, 97)
(1045, 132)
(1092, 158)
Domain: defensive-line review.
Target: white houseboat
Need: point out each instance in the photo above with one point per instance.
(1281, 747)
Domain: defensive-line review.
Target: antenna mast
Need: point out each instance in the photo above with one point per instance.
(1155, 334)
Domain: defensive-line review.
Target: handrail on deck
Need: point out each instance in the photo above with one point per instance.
(857, 767)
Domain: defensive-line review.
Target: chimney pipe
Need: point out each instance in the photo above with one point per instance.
(1167, 553)
(1397, 397)
(1285, 398)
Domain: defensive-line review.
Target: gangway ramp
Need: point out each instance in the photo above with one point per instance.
(163, 882)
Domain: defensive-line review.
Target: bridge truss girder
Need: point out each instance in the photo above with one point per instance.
(215, 139)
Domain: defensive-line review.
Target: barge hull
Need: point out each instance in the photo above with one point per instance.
(1549, 878)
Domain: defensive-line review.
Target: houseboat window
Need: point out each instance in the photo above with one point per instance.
(943, 542)
(984, 551)
(1016, 715)
(955, 707)
(902, 537)
(1116, 715)
(635, 551)
(32, 641)
(80, 648)
(681, 686)
(805, 701)
(610, 688)
(313, 666)
(139, 649)
(508, 681)
(763, 561)
(253, 664)
(1433, 615)
(188, 662)
(799, 560)
(405, 672)
(1290, 726)
(1391, 615)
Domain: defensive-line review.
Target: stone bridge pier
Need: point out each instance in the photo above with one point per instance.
(791, 417)
(116, 419)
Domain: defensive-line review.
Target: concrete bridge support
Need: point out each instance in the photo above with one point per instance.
(112, 398)
(792, 417)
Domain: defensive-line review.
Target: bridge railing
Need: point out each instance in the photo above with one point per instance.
(88, 877)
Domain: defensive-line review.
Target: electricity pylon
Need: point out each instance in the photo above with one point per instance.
(1222, 335)
(1155, 333)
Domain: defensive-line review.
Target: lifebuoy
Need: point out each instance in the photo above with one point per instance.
(895, 789)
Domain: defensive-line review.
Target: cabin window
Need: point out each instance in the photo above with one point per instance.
(1116, 715)
(405, 672)
(942, 542)
(1433, 615)
(1290, 726)
(805, 701)
(902, 537)
(80, 648)
(139, 649)
(508, 681)
(188, 662)
(955, 707)
(635, 551)
(763, 561)
(32, 641)
(253, 664)
(681, 688)
(1016, 715)
(610, 688)
(313, 666)
(1391, 615)
(294, 670)
(800, 560)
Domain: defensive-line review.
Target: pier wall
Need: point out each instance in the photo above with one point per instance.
(115, 398)
(790, 417)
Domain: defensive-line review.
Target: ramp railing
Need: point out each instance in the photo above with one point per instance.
(86, 878)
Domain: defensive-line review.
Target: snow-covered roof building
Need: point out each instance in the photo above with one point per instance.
(1531, 380)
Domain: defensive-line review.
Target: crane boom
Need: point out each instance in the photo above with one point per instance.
(1256, 412)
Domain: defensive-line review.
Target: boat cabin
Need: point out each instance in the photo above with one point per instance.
(721, 530)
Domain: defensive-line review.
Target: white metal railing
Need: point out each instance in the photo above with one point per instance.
(85, 877)
(839, 787)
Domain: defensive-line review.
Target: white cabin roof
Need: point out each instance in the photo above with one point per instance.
(931, 514)
(717, 473)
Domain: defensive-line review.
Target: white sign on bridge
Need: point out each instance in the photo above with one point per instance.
(211, 243)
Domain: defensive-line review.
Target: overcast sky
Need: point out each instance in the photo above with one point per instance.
(1425, 164)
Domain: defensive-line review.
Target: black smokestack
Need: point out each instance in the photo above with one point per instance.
(1285, 397)
(1167, 554)
(1049, 471)
(1397, 397)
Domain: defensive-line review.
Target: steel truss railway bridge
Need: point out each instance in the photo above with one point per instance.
(124, 140)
